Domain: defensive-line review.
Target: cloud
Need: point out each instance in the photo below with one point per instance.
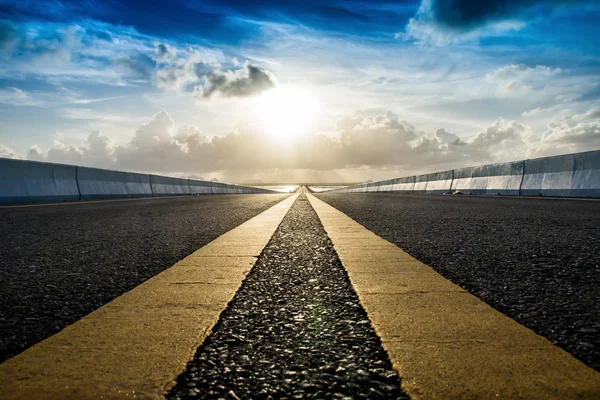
(7, 152)
(89, 114)
(9, 35)
(520, 79)
(246, 81)
(578, 136)
(380, 142)
(444, 21)
(164, 53)
(573, 133)
(448, 137)
(17, 97)
(535, 112)
(96, 151)
(175, 73)
(136, 63)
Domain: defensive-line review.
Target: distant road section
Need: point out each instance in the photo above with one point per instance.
(536, 260)
(60, 262)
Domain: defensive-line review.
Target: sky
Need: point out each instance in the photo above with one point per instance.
(297, 91)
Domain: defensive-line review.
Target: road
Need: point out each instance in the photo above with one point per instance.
(60, 262)
(536, 260)
(295, 327)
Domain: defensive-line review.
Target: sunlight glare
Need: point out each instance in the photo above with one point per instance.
(287, 112)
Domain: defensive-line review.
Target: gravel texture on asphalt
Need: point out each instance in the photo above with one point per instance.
(60, 262)
(295, 329)
(535, 260)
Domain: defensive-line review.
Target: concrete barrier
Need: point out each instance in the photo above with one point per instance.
(503, 179)
(199, 187)
(24, 181)
(420, 184)
(385, 186)
(570, 175)
(586, 175)
(549, 176)
(439, 182)
(219, 188)
(95, 183)
(404, 185)
(168, 186)
(573, 175)
(31, 181)
(231, 189)
(372, 187)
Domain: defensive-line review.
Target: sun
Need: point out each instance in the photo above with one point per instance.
(287, 112)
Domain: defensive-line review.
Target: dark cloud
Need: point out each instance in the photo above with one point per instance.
(136, 63)
(464, 15)
(178, 72)
(164, 53)
(467, 14)
(9, 34)
(246, 81)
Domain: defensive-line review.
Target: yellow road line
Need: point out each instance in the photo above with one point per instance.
(136, 345)
(444, 342)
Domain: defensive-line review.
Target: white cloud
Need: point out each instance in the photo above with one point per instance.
(382, 146)
(425, 31)
(383, 142)
(96, 151)
(576, 137)
(519, 79)
(536, 112)
(7, 152)
(573, 133)
(89, 114)
(17, 97)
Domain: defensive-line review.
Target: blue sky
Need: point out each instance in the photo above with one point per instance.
(216, 88)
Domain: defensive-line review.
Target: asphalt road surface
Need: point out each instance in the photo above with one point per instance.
(535, 260)
(295, 329)
(60, 262)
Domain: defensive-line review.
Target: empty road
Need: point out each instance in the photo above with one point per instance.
(536, 260)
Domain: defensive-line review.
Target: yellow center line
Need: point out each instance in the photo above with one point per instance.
(444, 342)
(136, 345)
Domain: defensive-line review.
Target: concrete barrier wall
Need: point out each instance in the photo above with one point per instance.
(420, 184)
(23, 181)
(503, 178)
(199, 187)
(372, 187)
(168, 186)
(571, 175)
(30, 181)
(219, 188)
(439, 182)
(404, 185)
(95, 183)
(549, 176)
(385, 186)
(586, 175)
